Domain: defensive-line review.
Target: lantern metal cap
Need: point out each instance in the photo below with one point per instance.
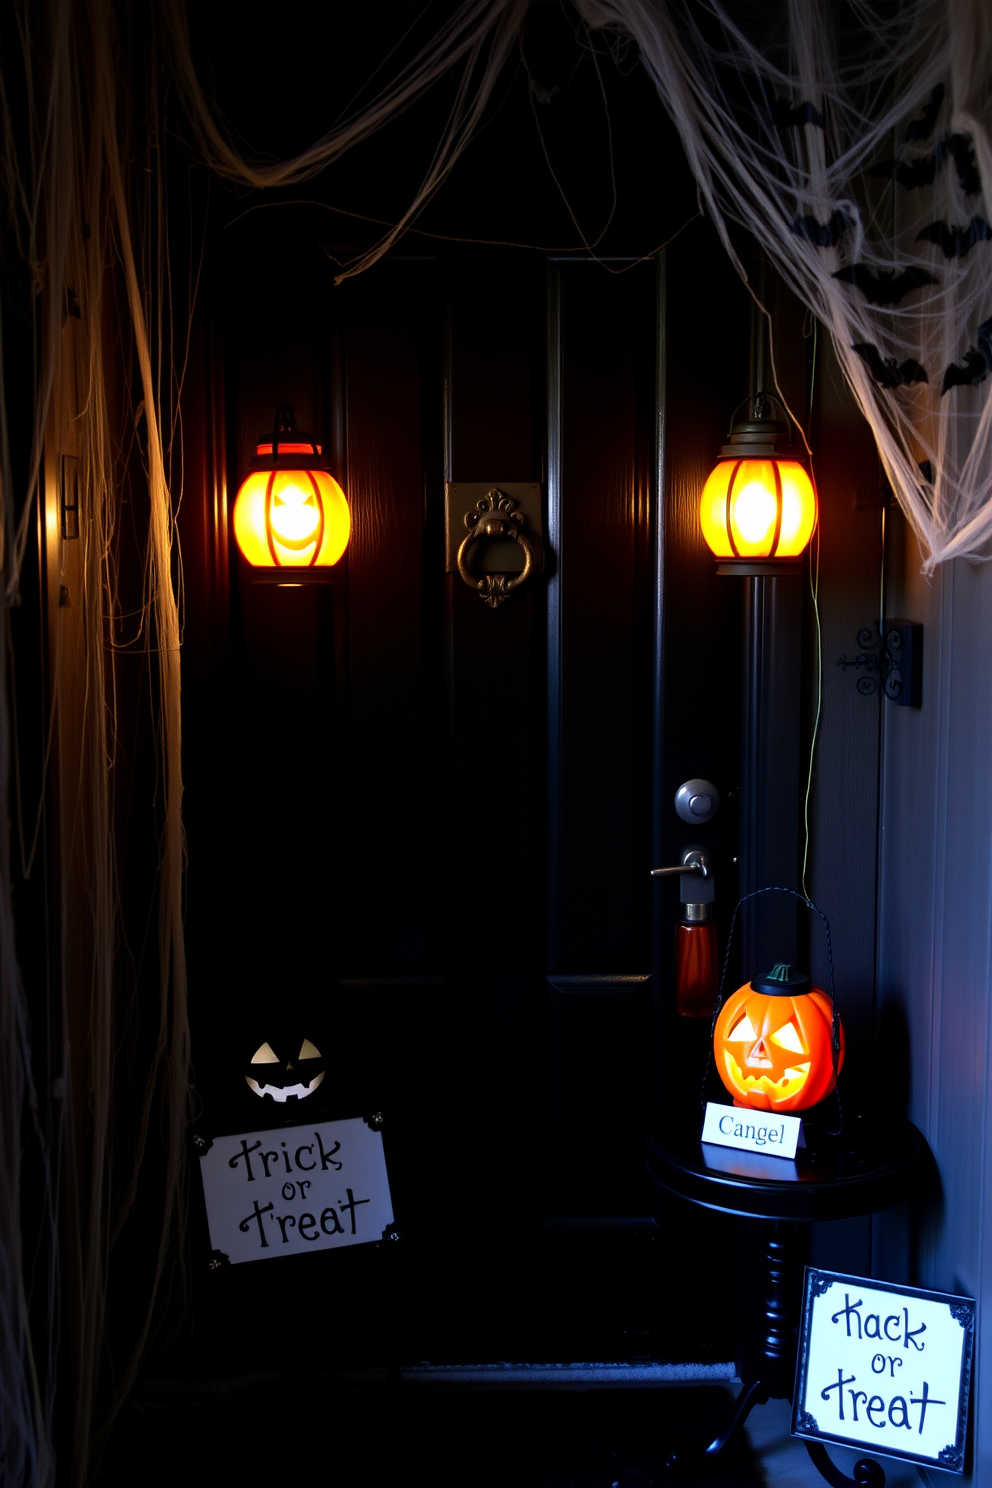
(760, 436)
(782, 981)
(760, 567)
(287, 447)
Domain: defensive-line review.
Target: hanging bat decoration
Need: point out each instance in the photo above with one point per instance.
(886, 371)
(954, 242)
(962, 152)
(977, 362)
(784, 116)
(823, 234)
(922, 169)
(885, 287)
(922, 128)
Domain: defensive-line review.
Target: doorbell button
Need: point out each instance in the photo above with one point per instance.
(697, 801)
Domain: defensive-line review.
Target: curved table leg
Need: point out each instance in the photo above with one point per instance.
(688, 1463)
(867, 1474)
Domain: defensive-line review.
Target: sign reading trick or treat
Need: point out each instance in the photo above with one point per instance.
(297, 1189)
(884, 1366)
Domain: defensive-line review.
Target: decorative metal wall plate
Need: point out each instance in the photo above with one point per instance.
(897, 669)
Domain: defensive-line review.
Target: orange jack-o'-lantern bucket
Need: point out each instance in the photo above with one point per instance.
(773, 1042)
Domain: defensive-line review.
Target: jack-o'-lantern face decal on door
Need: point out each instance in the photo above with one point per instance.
(286, 1074)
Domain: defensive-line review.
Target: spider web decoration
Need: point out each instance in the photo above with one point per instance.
(851, 139)
(853, 143)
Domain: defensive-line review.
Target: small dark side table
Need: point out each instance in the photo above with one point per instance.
(870, 1166)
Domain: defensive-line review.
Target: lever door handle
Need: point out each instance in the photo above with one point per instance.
(696, 863)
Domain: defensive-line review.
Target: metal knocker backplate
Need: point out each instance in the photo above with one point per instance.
(480, 538)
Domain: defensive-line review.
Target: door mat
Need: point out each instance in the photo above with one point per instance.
(447, 1438)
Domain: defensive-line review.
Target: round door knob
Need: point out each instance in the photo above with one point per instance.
(697, 801)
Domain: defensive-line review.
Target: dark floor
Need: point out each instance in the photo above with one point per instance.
(309, 1431)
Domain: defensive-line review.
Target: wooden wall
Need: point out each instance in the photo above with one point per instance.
(934, 943)
(901, 858)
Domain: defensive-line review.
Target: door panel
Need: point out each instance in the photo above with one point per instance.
(603, 359)
(598, 1074)
(491, 843)
(388, 818)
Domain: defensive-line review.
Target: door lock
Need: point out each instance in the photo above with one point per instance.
(697, 801)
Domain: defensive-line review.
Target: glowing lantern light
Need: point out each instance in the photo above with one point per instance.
(290, 512)
(758, 507)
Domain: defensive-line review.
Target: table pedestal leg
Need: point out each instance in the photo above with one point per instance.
(771, 1374)
(774, 1369)
(780, 1254)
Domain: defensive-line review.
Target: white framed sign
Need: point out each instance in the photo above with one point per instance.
(886, 1367)
(752, 1131)
(296, 1189)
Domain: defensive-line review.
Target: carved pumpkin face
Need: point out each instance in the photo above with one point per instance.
(287, 1074)
(773, 1049)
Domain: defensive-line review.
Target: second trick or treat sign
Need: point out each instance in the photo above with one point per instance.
(884, 1366)
(296, 1189)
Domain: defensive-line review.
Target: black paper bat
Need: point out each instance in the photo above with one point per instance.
(922, 169)
(886, 370)
(977, 362)
(886, 287)
(823, 234)
(962, 152)
(922, 128)
(954, 242)
(784, 116)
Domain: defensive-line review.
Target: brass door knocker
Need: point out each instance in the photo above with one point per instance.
(494, 518)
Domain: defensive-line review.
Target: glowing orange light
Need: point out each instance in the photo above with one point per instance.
(758, 508)
(290, 512)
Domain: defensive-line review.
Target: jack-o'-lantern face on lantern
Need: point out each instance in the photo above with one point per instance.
(286, 1075)
(773, 1048)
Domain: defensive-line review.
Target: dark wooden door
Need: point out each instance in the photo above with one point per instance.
(421, 829)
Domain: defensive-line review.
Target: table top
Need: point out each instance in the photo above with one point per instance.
(872, 1164)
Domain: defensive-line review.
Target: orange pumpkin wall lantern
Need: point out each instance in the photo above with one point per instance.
(291, 517)
(773, 1043)
(758, 507)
